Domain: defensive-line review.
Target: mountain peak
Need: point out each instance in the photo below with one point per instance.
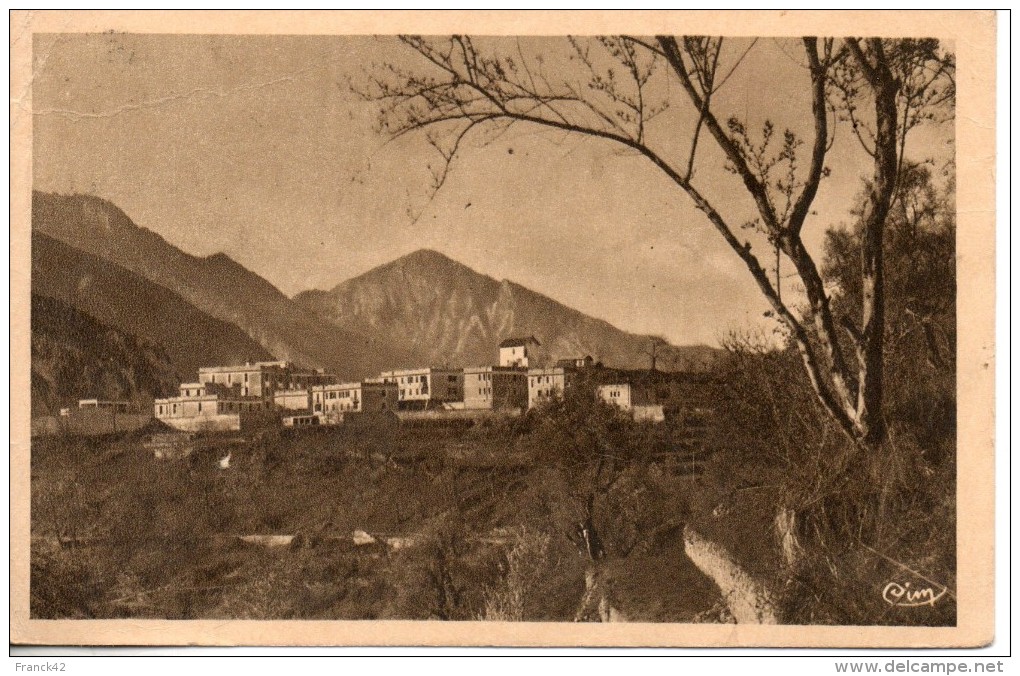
(223, 260)
(444, 312)
(81, 211)
(428, 259)
(217, 285)
(424, 264)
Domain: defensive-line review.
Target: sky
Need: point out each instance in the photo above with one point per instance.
(256, 146)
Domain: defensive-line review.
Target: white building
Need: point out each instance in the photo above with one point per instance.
(640, 402)
(495, 387)
(426, 388)
(617, 394)
(293, 400)
(199, 408)
(262, 379)
(102, 405)
(367, 396)
(517, 352)
(544, 384)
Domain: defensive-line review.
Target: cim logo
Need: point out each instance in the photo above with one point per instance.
(896, 594)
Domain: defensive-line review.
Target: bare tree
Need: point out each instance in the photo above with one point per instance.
(880, 88)
(656, 346)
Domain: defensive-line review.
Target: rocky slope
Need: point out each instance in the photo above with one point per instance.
(75, 356)
(216, 285)
(432, 305)
(125, 301)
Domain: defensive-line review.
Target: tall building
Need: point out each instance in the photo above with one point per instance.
(495, 387)
(425, 388)
(366, 396)
(518, 352)
(261, 379)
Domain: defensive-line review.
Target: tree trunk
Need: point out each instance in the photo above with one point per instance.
(594, 605)
(869, 343)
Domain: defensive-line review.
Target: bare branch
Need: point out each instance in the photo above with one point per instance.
(608, 95)
(818, 111)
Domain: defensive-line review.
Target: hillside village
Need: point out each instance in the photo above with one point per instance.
(205, 344)
(229, 398)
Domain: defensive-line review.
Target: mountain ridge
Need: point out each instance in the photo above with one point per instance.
(455, 315)
(216, 284)
(132, 304)
(421, 308)
(76, 356)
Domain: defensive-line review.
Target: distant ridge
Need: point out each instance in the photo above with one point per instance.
(215, 285)
(432, 305)
(133, 304)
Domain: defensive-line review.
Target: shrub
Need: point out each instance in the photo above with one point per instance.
(840, 522)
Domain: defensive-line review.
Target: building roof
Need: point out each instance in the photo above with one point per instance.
(573, 361)
(520, 342)
(424, 370)
(248, 367)
(494, 369)
(550, 371)
(368, 382)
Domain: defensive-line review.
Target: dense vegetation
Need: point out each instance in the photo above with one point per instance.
(846, 522)
(468, 523)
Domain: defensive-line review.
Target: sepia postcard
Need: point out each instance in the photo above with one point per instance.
(501, 328)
